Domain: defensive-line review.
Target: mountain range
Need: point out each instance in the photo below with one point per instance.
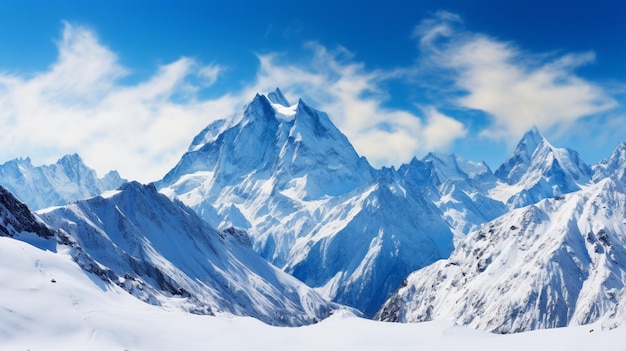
(538, 243)
(68, 180)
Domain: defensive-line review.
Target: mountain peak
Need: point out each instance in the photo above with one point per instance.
(550, 264)
(68, 180)
(615, 165)
(172, 255)
(531, 140)
(542, 170)
(277, 97)
(513, 168)
(70, 158)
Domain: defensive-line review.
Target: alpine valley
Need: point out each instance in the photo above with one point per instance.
(272, 214)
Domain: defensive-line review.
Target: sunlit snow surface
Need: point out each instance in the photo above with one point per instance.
(79, 312)
(556, 263)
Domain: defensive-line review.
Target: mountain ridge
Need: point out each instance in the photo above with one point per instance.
(300, 189)
(164, 254)
(282, 180)
(67, 180)
(552, 264)
(304, 177)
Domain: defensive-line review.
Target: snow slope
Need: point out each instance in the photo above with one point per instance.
(79, 312)
(164, 254)
(52, 185)
(290, 178)
(557, 263)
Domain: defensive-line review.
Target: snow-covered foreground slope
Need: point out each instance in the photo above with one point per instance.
(163, 253)
(79, 312)
(69, 179)
(557, 263)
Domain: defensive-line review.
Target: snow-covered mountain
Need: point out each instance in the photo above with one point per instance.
(16, 220)
(459, 188)
(163, 253)
(537, 170)
(614, 166)
(290, 178)
(49, 302)
(546, 243)
(559, 262)
(78, 312)
(69, 179)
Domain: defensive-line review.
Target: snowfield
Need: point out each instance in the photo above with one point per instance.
(79, 312)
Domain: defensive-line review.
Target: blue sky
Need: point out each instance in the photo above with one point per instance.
(128, 84)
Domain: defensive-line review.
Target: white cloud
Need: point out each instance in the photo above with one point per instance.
(210, 74)
(516, 89)
(79, 105)
(352, 96)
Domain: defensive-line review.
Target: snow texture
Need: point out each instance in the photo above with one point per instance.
(306, 199)
(79, 312)
(557, 263)
(537, 244)
(164, 254)
(293, 181)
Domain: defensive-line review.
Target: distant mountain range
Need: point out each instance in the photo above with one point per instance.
(69, 179)
(538, 243)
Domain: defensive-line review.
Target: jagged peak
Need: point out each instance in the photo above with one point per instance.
(614, 165)
(277, 97)
(303, 109)
(318, 121)
(136, 186)
(619, 149)
(517, 164)
(71, 161)
(112, 174)
(20, 161)
(617, 156)
(260, 105)
(73, 157)
(531, 140)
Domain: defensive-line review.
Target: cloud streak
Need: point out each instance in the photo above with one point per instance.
(516, 89)
(79, 105)
(83, 102)
(354, 99)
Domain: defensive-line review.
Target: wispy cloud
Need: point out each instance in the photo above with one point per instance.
(80, 105)
(84, 102)
(516, 89)
(353, 97)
